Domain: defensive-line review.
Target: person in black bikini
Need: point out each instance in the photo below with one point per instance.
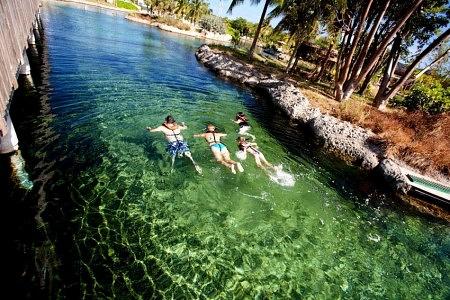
(242, 120)
(219, 150)
(252, 148)
(176, 143)
(244, 125)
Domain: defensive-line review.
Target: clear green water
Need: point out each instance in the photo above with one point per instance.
(137, 231)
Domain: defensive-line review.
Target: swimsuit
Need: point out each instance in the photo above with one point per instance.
(243, 123)
(176, 147)
(244, 147)
(217, 145)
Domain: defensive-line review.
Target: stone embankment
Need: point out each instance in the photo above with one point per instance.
(357, 145)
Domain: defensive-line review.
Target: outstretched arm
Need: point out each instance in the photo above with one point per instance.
(182, 126)
(202, 135)
(154, 129)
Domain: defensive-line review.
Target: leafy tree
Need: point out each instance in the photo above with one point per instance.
(198, 8)
(242, 25)
(212, 23)
(182, 7)
(267, 3)
(235, 38)
(300, 20)
(369, 28)
(428, 94)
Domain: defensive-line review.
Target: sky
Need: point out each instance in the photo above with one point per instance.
(244, 10)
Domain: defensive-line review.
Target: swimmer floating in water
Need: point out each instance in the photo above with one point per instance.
(275, 173)
(219, 150)
(252, 148)
(177, 145)
(244, 126)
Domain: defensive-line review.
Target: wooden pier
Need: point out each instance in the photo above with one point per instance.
(17, 20)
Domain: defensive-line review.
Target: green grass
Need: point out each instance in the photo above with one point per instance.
(126, 5)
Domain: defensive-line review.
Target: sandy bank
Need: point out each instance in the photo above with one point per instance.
(144, 19)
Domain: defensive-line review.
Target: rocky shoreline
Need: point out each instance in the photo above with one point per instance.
(356, 145)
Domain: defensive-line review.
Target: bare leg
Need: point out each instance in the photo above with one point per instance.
(258, 161)
(173, 162)
(264, 161)
(226, 156)
(196, 166)
(222, 160)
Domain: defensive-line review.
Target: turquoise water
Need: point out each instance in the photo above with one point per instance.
(121, 225)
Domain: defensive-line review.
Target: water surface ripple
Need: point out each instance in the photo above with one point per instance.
(140, 231)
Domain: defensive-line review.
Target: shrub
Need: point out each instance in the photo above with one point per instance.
(213, 24)
(235, 38)
(428, 94)
(244, 27)
(126, 5)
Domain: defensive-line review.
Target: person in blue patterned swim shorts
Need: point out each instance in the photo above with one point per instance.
(176, 146)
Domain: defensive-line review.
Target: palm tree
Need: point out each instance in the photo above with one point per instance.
(300, 19)
(198, 8)
(260, 24)
(182, 7)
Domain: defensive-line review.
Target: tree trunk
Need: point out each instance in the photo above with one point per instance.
(294, 66)
(352, 82)
(342, 50)
(323, 65)
(365, 48)
(434, 62)
(258, 29)
(363, 87)
(381, 101)
(391, 65)
(294, 54)
(385, 42)
(348, 58)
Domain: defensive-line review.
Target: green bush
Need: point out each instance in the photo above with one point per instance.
(126, 5)
(244, 27)
(213, 24)
(235, 38)
(428, 94)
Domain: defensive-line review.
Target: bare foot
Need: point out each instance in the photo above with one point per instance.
(233, 170)
(198, 169)
(240, 168)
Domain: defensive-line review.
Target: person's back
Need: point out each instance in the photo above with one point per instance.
(219, 150)
(172, 132)
(176, 144)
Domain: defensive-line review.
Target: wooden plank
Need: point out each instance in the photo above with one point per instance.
(16, 23)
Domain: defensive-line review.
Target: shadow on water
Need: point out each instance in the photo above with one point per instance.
(40, 235)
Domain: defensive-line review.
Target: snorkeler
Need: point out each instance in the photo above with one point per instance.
(219, 150)
(244, 126)
(252, 148)
(177, 145)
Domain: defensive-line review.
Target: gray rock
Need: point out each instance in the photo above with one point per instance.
(394, 176)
